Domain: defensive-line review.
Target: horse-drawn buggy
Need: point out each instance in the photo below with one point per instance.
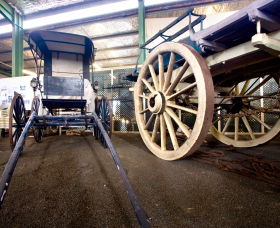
(63, 97)
(223, 79)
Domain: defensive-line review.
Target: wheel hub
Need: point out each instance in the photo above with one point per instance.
(156, 102)
(237, 105)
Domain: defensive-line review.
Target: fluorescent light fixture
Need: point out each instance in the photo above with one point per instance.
(6, 29)
(82, 13)
(75, 15)
(93, 11)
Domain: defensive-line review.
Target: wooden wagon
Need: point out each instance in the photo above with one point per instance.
(223, 79)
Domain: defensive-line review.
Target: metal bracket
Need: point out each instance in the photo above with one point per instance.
(266, 43)
(211, 45)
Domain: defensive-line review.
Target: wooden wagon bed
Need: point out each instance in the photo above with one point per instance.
(240, 27)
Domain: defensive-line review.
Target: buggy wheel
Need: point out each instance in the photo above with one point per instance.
(105, 114)
(95, 127)
(17, 119)
(174, 100)
(37, 131)
(248, 115)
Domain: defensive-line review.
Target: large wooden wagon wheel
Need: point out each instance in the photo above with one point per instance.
(37, 131)
(104, 112)
(248, 114)
(174, 100)
(17, 119)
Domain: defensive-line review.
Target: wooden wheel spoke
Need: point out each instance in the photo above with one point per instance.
(169, 71)
(169, 104)
(162, 133)
(143, 96)
(261, 122)
(161, 71)
(154, 76)
(183, 126)
(149, 86)
(246, 122)
(245, 87)
(226, 125)
(144, 110)
(178, 78)
(155, 129)
(236, 128)
(182, 91)
(171, 131)
(237, 89)
(149, 121)
(250, 92)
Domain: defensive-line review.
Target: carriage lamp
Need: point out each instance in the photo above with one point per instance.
(95, 86)
(34, 83)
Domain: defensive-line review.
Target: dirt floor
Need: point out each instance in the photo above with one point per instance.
(71, 181)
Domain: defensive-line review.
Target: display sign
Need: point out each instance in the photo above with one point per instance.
(21, 85)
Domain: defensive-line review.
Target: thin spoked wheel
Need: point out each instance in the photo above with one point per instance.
(17, 119)
(174, 100)
(95, 127)
(105, 114)
(37, 131)
(248, 114)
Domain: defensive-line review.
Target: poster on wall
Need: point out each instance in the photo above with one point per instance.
(21, 85)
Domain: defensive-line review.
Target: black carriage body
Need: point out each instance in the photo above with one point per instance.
(67, 58)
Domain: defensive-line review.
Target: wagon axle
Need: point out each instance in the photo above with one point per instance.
(236, 106)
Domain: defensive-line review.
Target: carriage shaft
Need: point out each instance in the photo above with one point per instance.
(11, 164)
(140, 213)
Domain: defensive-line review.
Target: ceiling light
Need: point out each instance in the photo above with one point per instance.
(82, 13)
(93, 11)
(6, 29)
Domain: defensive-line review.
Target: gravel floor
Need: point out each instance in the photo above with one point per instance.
(71, 181)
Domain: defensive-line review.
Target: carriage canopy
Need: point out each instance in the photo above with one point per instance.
(44, 42)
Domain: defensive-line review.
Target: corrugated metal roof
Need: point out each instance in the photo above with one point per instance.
(116, 40)
(34, 6)
(104, 28)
